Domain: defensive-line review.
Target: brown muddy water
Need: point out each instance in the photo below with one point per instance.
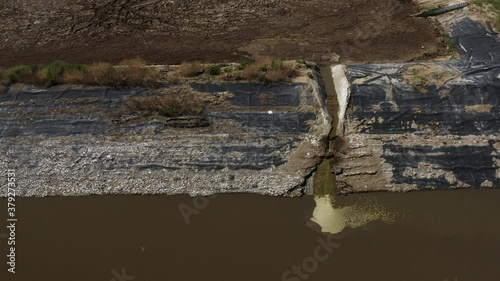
(424, 236)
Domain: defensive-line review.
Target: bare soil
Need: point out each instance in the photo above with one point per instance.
(170, 32)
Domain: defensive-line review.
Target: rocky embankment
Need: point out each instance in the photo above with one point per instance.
(252, 138)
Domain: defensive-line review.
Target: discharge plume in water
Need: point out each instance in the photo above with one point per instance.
(334, 220)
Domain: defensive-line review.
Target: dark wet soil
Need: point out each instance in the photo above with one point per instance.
(169, 32)
(435, 236)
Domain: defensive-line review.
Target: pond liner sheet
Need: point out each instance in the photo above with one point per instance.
(385, 102)
(62, 137)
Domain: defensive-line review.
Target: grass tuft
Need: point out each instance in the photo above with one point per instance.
(131, 72)
(134, 72)
(100, 73)
(266, 69)
(494, 6)
(214, 69)
(191, 69)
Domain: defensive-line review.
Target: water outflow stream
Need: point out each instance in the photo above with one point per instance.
(330, 217)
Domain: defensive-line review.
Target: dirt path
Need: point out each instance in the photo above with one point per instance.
(83, 31)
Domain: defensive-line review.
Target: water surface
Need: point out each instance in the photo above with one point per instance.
(420, 236)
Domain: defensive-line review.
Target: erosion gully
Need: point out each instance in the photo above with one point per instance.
(424, 236)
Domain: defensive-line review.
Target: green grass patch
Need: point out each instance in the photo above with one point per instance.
(277, 64)
(44, 75)
(449, 44)
(168, 112)
(262, 68)
(244, 64)
(494, 6)
(494, 3)
(214, 69)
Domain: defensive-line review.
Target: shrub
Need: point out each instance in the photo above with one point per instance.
(52, 74)
(277, 64)
(244, 64)
(276, 75)
(168, 112)
(269, 70)
(100, 73)
(42, 74)
(191, 69)
(47, 75)
(131, 72)
(251, 72)
(262, 68)
(449, 43)
(73, 76)
(21, 73)
(175, 101)
(134, 72)
(280, 71)
(173, 78)
(214, 69)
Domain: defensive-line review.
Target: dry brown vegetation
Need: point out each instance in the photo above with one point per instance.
(100, 73)
(191, 69)
(267, 69)
(173, 102)
(264, 69)
(73, 76)
(130, 72)
(135, 72)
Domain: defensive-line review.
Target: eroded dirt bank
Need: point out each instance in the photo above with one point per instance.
(169, 32)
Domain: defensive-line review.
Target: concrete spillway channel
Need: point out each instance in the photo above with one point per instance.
(415, 126)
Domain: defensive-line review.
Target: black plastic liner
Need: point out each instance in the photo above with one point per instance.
(110, 99)
(479, 84)
(389, 105)
(263, 137)
(470, 164)
(384, 102)
(257, 94)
